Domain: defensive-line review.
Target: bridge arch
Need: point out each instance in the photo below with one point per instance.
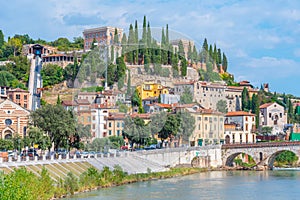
(231, 157)
(272, 157)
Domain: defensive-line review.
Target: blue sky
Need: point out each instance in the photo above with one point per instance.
(260, 37)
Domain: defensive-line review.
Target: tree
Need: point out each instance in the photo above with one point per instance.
(1, 39)
(266, 130)
(149, 36)
(187, 96)
(222, 106)
(181, 52)
(136, 130)
(255, 108)
(16, 45)
(224, 63)
(183, 67)
(123, 44)
(58, 123)
(186, 126)
(170, 128)
(245, 99)
(52, 74)
(157, 122)
(111, 74)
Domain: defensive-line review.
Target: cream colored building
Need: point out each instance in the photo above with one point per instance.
(13, 119)
(239, 127)
(209, 125)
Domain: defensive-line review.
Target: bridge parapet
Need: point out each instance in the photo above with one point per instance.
(261, 145)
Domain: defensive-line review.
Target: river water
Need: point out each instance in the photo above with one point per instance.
(233, 185)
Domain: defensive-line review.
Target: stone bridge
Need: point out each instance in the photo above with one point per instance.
(263, 154)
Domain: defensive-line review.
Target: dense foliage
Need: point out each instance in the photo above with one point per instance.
(22, 184)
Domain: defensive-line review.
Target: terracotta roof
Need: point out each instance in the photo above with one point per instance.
(265, 105)
(103, 105)
(163, 105)
(142, 115)
(17, 90)
(116, 115)
(69, 103)
(239, 113)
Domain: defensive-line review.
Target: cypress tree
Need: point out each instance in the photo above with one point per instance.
(167, 35)
(130, 47)
(181, 50)
(210, 53)
(1, 39)
(136, 37)
(224, 63)
(124, 43)
(112, 54)
(149, 36)
(189, 53)
(195, 54)
(116, 37)
(144, 35)
(219, 57)
(183, 67)
(245, 99)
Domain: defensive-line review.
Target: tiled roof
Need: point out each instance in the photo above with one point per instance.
(69, 103)
(142, 115)
(239, 113)
(265, 105)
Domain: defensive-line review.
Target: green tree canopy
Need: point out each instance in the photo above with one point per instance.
(58, 123)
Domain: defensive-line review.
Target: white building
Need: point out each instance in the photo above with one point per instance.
(239, 127)
(272, 115)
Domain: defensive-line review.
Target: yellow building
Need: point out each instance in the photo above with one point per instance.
(150, 89)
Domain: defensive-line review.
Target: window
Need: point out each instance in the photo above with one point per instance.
(25, 97)
(25, 105)
(94, 118)
(118, 132)
(205, 118)
(246, 119)
(280, 115)
(109, 132)
(199, 127)
(109, 124)
(8, 122)
(270, 115)
(199, 118)
(17, 96)
(205, 126)
(118, 124)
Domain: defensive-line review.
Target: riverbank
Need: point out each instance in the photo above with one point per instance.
(133, 178)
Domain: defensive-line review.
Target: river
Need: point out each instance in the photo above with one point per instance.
(233, 185)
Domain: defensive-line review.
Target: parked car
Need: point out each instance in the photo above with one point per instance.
(29, 152)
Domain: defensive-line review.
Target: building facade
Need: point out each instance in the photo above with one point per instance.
(272, 115)
(150, 89)
(13, 119)
(100, 35)
(239, 127)
(209, 125)
(20, 97)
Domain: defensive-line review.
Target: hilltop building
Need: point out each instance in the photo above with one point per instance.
(103, 35)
